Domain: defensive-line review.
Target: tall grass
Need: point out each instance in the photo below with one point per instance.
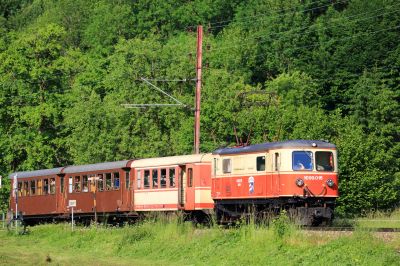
(167, 241)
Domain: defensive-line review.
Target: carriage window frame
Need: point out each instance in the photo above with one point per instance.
(163, 177)
(154, 178)
(25, 191)
(320, 167)
(299, 164)
(32, 188)
(61, 184)
(139, 179)
(52, 185)
(109, 181)
(146, 179)
(77, 184)
(116, 181)
(127, 179)
(172, 175)
(100, 182)
(260, 163)
(227, 165)
(190, 177)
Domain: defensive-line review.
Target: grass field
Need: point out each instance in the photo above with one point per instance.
(172, 243)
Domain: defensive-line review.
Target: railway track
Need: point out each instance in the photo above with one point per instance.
(351, 229)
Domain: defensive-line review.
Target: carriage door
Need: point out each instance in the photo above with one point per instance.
(275, 174)
(182, 185)
(190, 188)
(126, 189)
(60, 194)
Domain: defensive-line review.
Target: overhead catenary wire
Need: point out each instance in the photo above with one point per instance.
(264, 38)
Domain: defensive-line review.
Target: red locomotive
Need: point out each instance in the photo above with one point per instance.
(299, 175)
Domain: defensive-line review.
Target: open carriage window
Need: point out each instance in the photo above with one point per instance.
(324, 161)
(163, 178)
(26, 188)
(172, 177)
(45, 186)
(139, 179)
(127, 181)
(77, 184)
(52, 185)
(155, 178)
(33, 187)
(302, 160)
(109, 183)
(146, 178)
(116, 180)
(85, 183)
(100, 183)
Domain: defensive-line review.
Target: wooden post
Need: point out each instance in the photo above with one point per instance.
(198, 90)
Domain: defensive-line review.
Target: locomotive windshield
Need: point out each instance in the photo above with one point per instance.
(302, 160)
(324, 160)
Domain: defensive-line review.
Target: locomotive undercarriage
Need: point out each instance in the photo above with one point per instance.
(302, 211)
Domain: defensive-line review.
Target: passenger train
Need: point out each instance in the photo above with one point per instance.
(300, 176)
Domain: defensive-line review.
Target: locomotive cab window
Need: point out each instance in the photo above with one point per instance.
(261, 163)
(324, 161)
(226, 166)
(302, 160)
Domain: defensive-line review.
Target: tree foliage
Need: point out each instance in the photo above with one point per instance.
(322, 70)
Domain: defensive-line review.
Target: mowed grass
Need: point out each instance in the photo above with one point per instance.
(172, 243)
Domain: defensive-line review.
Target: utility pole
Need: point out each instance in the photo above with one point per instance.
(198, 89)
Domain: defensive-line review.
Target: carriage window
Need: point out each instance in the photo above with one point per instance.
(277, 162)
(324, 161)
(45, 186)
(52, 185)
(215, 166)
(26, 188)
(100, 183)
(127, 181)
(190, 177)
(302, 160)
(70, 185)
(116, 180)
(261, 163)
(85, 183)
(163, 178)
(19, 189)
(33, 187)
(77, 184)
(226, 166)
(62, 184)
(139, 179)
(172, 177)
(108, 181)
(155, 178)
(146, 178)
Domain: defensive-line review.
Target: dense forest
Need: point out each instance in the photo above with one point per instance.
(326, 69)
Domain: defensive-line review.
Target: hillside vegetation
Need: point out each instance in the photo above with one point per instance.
(330, 70)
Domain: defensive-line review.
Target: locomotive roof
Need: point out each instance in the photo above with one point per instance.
(171, 160)
(276, 145)
(96, 167)
(36, 173)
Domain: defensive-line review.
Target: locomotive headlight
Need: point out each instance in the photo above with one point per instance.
(299, 182)
(330, 183)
